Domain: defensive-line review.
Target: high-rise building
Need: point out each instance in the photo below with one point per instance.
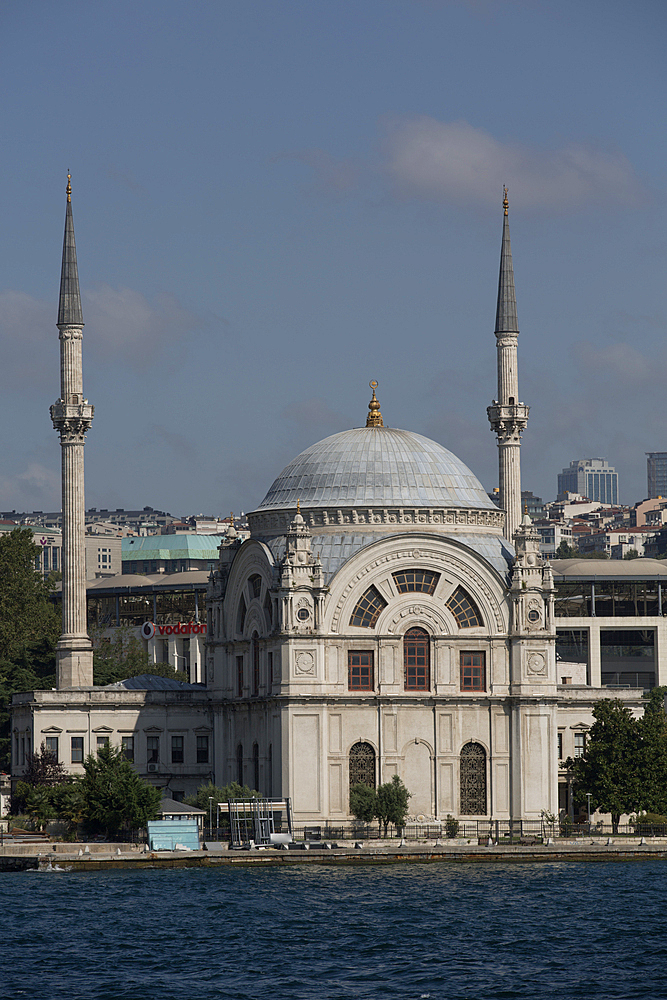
(656, 470)
(590, 477)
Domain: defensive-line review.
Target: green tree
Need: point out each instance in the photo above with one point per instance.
(219, 793)
(392, 803)
(653, 753)
(29, 628)
(26, 613)
(565, 551)
(115, 798)
(363, 802)
(115, 659)
(43, 768)
(68, 803)
(39, 806)
(611, 766)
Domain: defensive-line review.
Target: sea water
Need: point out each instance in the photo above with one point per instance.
(318, 932)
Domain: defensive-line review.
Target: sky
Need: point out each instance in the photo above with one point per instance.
(276, 202)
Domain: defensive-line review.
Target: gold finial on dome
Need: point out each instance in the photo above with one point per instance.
(69, 186)
(506, 203)
(374, 418)
(298, 506)
(231, 518)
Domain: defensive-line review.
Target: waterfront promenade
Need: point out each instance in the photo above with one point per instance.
(100, 857)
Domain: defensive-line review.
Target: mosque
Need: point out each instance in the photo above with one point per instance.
(379, 622)
(384, 617)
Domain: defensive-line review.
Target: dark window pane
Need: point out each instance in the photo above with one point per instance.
(368, 609)
(360, 670)
(473, 672)
(464, 609)
(420, 581)
(416, 660)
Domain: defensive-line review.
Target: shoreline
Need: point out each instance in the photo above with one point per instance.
(98, 857)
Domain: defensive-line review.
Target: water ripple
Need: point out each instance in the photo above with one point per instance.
(408, 932)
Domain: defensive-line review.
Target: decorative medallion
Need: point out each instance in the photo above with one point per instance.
(537, 664)
(304, 663)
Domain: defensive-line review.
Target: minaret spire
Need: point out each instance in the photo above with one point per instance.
(507, 416)
(69, 306)
(72, 416)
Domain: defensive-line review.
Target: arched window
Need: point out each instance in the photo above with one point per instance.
(268, 610)
(239, 764)
(255, 664)
(418, 581)
(417, 660)
(368, 608)
(362, 765)
(240, 617)
(464, 609)
(255, 766)
(473, 780)
(255, 582)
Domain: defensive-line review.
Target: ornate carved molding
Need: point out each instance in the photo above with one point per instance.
(452, 563)
(279, 521)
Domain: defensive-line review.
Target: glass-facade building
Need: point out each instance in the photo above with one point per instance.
(590, 477)
(656, 472)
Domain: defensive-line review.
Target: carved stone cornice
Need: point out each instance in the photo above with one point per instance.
(508, 421)
(72, 420)
(277, 522)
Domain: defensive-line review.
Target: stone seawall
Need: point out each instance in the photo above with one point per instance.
(101, 857)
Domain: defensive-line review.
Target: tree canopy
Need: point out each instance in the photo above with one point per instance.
(114, 797)
(388, 803)
(624, 765)
(219, 793)
(29, 627)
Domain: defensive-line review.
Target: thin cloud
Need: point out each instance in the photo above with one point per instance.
(124, 322)
(453, 161)
(620, 363)
(37, 487)
(121, 324)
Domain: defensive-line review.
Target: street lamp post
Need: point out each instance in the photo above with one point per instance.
(588, 796)
(210, 814)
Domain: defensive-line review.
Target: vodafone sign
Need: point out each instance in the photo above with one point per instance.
(148, 629)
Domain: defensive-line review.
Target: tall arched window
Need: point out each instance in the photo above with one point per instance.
(240, 615)
(255, 664)
(417, 660)
(473, 780)
(239, 764)
(362, 765)
(255, 767)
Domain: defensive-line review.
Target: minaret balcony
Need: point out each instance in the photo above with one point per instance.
(508, 418)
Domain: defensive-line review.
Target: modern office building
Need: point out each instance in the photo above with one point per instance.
(590, 477)
(656, 472)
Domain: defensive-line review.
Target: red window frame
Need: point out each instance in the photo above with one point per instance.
(473, 670)
(360, 670)
(417, 660)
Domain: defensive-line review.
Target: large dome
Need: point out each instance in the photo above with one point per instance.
(376, 466)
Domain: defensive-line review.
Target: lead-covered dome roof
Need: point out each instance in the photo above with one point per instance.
(376, 466)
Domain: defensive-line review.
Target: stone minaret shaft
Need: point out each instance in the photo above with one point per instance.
(72, 416)
(507, 416)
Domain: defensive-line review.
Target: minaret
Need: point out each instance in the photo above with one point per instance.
(72, 416)
(507, 416)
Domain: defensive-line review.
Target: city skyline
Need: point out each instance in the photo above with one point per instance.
(272, 210)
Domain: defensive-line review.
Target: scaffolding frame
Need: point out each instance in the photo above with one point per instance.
(253, 820)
